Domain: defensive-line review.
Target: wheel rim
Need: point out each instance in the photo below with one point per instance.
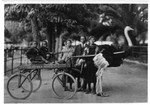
(62, 89)
(17, 92)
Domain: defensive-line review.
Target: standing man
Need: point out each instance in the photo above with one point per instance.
(79, 50)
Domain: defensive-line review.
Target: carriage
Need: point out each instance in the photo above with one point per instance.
(28, 79)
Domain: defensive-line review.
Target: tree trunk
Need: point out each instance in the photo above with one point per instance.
(49, 42)
(60, 40)
(50, 35)
(53, 42)
(57, 44)
(34, 29)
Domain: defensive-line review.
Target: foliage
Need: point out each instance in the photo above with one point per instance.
(78, 17)
(134, 15)
(69, 15)
(7, 33)
(14, 31)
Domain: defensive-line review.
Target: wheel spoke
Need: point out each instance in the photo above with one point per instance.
(36, 79)
(64, 85)
(14, 86)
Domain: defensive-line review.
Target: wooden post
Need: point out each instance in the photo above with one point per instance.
(5, 61)
(12, 61)
(21, 57)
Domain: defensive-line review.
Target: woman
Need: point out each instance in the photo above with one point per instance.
(67, 51)
(91, 69)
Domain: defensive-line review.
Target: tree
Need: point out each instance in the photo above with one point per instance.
(14, 31)
(7, 33)
(58, 17)
(62, 18)
(134, 15)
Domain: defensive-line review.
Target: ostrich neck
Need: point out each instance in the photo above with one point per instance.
(127, 37)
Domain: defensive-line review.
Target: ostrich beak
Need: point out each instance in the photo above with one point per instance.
(131, 29)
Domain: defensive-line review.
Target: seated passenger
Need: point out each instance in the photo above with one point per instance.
(67, 52)
(33, 54)
(44, 50)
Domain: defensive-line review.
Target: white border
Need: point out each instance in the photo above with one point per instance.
(76, 1)
(59, 2)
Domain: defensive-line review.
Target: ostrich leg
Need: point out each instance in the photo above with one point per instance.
(99, 87)
(99, 81)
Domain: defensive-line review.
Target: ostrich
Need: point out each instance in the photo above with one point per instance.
(109, 56)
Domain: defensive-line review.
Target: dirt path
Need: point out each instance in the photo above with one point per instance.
(127, 83)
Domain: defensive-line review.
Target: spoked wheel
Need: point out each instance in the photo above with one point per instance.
(64, 85)
(35, 76)
(15, 84)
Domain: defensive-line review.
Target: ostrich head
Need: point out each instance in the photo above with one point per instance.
(126, 30)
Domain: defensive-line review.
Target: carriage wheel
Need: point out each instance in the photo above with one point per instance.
(15, 84)
(35, 76)
(64, 85)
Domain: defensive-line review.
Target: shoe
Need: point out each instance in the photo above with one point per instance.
(71, 90)
(87, 92)
(78, 90)
(66, 89)
(93, 92)
(102, 95)
(83, 90)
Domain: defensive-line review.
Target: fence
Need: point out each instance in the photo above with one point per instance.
(139, 53)
(13, 58)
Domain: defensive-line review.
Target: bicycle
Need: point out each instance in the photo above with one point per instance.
(64, 85)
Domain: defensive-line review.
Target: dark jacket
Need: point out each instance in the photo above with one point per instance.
(33, 54)
(43, 52)
(78, 50)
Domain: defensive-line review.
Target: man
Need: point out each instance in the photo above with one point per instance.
(79, 50)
